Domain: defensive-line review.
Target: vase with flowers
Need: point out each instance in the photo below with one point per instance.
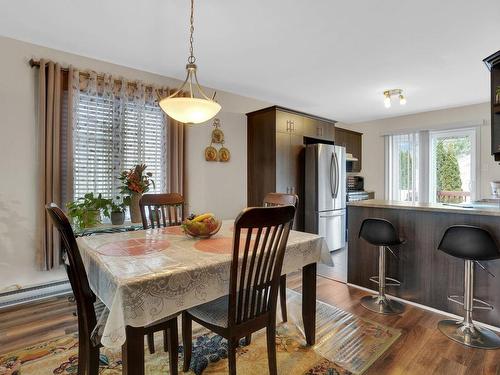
(136, 182)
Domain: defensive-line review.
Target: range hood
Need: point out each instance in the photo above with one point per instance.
(349, 157)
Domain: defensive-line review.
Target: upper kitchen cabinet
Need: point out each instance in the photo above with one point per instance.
(493, 64)
(275, 147)
(352, 141)
(319, 129)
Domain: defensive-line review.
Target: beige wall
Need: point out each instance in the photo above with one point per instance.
(217, 187)
(373, 141)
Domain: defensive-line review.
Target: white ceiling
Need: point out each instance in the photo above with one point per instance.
(328, 57)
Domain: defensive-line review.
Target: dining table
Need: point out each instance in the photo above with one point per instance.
(148, 275)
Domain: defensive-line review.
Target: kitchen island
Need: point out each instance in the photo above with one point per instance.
(427, 275)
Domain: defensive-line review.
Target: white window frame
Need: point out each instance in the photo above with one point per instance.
(475, 135)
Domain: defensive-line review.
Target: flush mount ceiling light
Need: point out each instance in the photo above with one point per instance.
(389, 93)
(190, 109)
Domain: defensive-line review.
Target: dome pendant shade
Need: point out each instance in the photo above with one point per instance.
(190, 110)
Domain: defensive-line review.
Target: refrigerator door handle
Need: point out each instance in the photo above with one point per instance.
(332, 189)
(334, 214)
(337, 179)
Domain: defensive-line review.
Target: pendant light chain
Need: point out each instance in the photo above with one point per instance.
(191, 58)
(190, 108)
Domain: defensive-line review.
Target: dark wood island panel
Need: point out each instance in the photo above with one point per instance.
(427, 275)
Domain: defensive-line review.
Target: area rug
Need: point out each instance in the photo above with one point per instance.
(346, 344)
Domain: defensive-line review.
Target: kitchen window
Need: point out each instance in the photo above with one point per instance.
(432, 166)
(453, 166)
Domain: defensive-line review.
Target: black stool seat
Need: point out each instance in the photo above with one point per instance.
(379, 232)
(469, 242)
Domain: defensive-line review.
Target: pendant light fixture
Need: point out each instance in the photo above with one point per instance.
(190, 109)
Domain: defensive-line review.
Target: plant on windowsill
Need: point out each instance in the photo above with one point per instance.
(118, 207)
(86, 211)
(135, 182)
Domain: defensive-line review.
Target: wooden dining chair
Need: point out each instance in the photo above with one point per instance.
(163, 210)
(88, 349)
(272, 200)
(259, 241)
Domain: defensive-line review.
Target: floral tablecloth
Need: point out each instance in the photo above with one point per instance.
(147, 275)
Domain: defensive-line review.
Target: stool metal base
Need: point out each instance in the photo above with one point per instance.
(382, 305)
(469, 334)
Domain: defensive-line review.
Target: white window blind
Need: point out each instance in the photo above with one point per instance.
(112, 134)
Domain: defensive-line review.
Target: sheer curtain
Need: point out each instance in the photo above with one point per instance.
(402, 167)
(116, 125)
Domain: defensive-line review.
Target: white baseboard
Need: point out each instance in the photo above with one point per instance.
(34, 293)
(458, 317)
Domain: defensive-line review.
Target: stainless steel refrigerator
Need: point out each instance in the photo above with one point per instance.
(325, 193)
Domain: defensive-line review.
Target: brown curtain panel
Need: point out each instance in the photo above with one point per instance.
(50, 99)
(175, 150)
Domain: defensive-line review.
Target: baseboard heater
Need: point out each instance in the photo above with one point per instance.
(34, 293)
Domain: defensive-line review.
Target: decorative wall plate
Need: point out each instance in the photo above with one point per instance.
(210, 153)
(224, 154)
(217, 136)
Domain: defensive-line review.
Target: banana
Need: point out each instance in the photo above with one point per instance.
(203, 217)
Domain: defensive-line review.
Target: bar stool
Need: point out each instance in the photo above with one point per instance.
(381, 233)
(472, 244)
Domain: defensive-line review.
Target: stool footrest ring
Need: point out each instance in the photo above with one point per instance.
(389, 281)
(481, 305)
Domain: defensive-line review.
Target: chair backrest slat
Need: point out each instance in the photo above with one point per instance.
(160, 208)
(84, 296)
(257, 293)
(260, 237)
(251, 276)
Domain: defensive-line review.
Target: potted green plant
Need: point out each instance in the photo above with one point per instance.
(86, 211)
(118, 207)
(135, 182)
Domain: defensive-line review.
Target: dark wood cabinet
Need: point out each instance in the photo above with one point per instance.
(493, 64)
(275, 148)
(352, 141)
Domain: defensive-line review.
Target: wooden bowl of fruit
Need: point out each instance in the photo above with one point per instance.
(201, 226)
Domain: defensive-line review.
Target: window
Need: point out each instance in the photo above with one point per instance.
(402, 167)
(112, 133)
(434, 166)
(453, 166)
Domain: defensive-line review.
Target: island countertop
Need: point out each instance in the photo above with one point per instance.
(475, 208)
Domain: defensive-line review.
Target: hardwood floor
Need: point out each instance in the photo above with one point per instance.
(421, 349)
(36, 322)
